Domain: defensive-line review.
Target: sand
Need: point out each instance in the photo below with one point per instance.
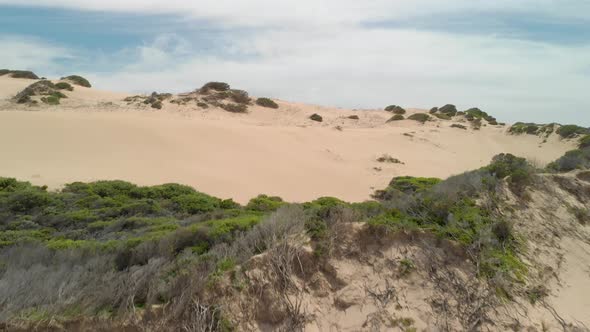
(93, 135)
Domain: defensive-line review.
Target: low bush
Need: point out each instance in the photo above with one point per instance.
(571, 160)
(476, 124)
(202, 105)
(235, 108)
(584, 142)
(216, 86)
(316, 117)
(240, 96)
(459, 126)
(448, 109)
(267, 102)
(78, 80)
(420, 117)
(397, 117)
(519, 172)
(395, 109)
(433, 110)
(353, 117)
(51, 100)
(571, 131)
(22, 74)
(4, 72)
(64, 86)
(264, 203)
(442, 116)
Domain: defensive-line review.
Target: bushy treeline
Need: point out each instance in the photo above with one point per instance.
(109, 248)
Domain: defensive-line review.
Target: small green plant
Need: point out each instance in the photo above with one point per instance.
(584, 142)
(316, 117)
(406, 266)
(22, 74)
(78, 80)
(264, 203)
(267, 102)
(420, 117)
(51, 100)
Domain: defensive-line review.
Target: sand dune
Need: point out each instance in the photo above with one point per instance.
(94, 135)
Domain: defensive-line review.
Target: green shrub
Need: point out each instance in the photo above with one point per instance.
(196, 203)
(397, 117)
(316, 117)
(157, 105)
(202, 105)
(264, 203)
(571, 160)
(420, 117)
(23, 74)
(353, 117)
(78, 80)
(448, 109)
(570, 131)
(584, 142)
(395, 109)
(4, 72)
(519, 171)
(51, 100)
(442, 116)
(240, 96)
(24, 201)
(433, 110)
(266, 102)
(64, 86)
(235, 108)
(216, 86)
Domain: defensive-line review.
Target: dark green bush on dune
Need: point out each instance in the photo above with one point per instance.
(266, 102)
(571, 131)
(395, 109)
(78, 80)
(316, 117)
(397, 117)
(216, 86)
(19, 74)
(64, 86)
(240, 96)
(235, 108)
(420, 117)
(448, 109)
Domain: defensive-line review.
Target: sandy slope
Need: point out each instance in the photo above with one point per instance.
(94, 135)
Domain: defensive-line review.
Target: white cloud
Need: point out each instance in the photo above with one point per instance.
(317, 51)
(354, 67)
(296, 12)
(28, 53)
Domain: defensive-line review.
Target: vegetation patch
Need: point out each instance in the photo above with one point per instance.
(316, 117)
(397, 117)
(64, 86)
(353, 117)
(215, 86)
(458, 126)
(389, 159)
(571, 131)
(240, 97)
(267, 102)
(395, 109)
(19, 74)
(235, 108)
(448, 109)
(442, 116)
(78, 80)
(420, 117)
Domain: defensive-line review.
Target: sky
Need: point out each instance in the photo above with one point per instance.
(519, 60)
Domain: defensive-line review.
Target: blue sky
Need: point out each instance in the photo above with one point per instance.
(519, 60)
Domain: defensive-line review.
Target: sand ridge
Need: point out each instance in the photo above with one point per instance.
(94, 135)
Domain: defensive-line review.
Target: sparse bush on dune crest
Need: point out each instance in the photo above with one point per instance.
(420, 117)
(266, 102)
(78, 80)
(395, 109)
(19, 74)
(397, 117)
(216, 86)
